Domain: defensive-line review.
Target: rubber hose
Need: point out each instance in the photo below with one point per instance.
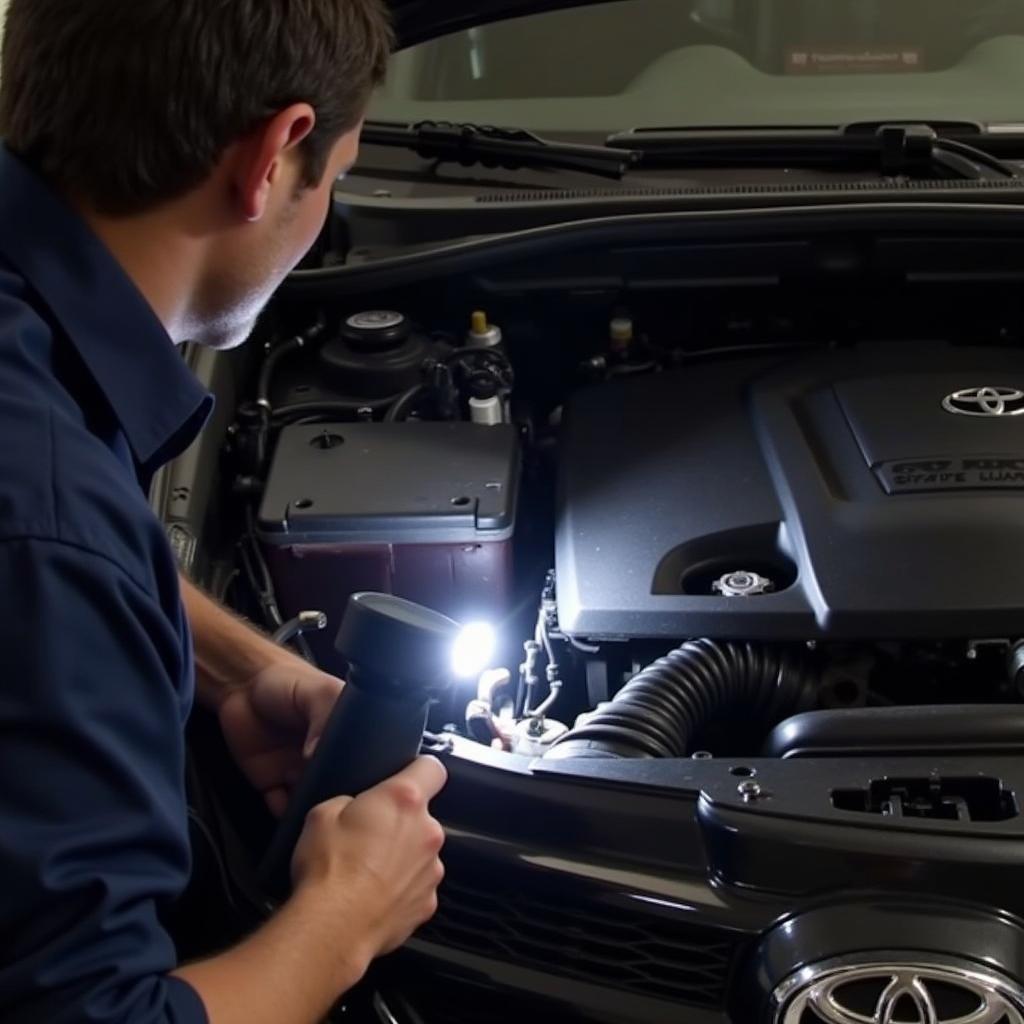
(405, 403)
(277, 355)
(660, 711)
(286, 414)
(274, 358)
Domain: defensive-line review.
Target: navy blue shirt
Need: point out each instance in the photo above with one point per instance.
(96, 674)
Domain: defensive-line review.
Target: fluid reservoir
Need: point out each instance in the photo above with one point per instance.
(376, 354)
(486, 404)
(489, 412)
(482, 333)
(621, 335)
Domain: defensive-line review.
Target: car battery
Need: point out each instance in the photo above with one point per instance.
(425, 511)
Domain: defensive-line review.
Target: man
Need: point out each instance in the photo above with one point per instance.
(166, 164)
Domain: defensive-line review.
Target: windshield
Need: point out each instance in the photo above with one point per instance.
(721, 63)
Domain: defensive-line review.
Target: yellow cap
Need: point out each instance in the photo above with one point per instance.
(480, 325)
(621, 333)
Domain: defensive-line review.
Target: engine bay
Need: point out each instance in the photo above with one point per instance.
(761, 529)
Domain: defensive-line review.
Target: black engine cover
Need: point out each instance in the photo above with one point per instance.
(843, 477)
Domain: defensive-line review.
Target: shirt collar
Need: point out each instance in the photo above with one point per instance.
(158, 402)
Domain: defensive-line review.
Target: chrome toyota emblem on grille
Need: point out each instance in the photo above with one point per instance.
(851, 991)
(985, 402)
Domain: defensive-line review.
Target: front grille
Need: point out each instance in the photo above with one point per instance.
(646, 954)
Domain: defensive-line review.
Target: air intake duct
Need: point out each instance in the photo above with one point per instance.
(659, 712)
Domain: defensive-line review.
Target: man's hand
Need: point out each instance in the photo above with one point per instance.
(272, 705)
(272, 724)
(366, 874)
(376, 858)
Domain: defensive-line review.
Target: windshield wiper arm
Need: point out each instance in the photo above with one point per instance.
(510, 148)
(902, 146)
(901, 149)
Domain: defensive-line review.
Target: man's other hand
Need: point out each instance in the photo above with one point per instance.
(273, 722)
(376, 859)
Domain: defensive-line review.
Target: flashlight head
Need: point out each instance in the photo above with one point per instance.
(473, 650)
(398, 646)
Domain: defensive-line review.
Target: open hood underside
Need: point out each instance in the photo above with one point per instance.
(419, 20)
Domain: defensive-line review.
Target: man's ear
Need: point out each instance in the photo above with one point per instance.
(260, 158)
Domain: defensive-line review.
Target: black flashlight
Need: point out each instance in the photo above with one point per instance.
(401, 657)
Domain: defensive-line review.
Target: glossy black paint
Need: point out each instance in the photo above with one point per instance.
(671, 845)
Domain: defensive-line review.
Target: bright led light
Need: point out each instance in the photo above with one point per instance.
(473, 650)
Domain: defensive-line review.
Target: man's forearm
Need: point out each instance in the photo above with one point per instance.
(289, 972)
(228, 651)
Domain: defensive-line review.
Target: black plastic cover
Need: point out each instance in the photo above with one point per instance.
(901, 731)
(391, 483)
(841, 477)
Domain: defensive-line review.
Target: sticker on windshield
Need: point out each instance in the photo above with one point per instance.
(816, 60)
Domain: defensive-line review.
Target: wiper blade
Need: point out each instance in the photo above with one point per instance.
(900, 149)
(510, 148)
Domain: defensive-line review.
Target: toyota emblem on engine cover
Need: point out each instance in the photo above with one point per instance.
(897, 993)
(985, 402)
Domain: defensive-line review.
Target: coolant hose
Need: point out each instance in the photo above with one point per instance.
(278, 354)
(658, 713)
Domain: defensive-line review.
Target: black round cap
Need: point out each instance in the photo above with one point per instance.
(389, 638)
(483, 386)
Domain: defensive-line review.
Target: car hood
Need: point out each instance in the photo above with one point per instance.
(419, 20)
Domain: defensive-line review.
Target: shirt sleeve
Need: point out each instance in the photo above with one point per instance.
(93, 819)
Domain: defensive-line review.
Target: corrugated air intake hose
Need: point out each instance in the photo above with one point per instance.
(659, 712)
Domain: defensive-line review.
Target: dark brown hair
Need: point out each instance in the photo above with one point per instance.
(131, 103)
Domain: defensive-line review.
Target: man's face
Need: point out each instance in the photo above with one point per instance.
(247, 268)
